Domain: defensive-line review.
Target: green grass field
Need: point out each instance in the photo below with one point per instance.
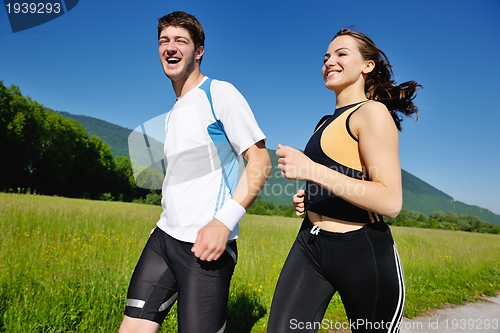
(65, 265)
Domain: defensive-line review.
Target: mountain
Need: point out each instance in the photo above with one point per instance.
(422, 197)
(418, 195)
(115, 136)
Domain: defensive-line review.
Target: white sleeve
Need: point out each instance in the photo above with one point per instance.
(238, 119)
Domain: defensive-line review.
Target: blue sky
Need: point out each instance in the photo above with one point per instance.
(101, 60)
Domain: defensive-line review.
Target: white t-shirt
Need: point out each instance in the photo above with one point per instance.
(202, 167)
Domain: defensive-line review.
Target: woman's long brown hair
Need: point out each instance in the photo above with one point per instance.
(380, 84)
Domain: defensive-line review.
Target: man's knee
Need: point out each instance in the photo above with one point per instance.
(135, 325)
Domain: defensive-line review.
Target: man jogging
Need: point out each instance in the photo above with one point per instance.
(191, 255)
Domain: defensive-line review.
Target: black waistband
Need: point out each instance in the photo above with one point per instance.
(307, 226)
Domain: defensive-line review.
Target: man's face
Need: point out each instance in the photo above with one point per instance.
(177, 52)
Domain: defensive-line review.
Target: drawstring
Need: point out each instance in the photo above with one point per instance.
(313, 233)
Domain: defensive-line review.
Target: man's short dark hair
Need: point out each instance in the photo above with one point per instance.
(184, 20)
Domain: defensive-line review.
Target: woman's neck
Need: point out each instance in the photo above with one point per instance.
(343, 100)
(350, 95)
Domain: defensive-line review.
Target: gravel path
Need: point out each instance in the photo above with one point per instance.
(478, 317)
(481, 317)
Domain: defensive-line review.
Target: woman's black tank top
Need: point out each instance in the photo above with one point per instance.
(333, 146)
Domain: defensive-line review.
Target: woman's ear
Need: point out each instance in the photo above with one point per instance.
(369, 66)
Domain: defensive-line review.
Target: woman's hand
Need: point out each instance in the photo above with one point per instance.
(293, 164)
(298, 202)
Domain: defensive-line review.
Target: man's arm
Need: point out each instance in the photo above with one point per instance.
(255, 174)
(212, 239)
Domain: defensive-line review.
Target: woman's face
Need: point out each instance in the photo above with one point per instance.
(343, 64)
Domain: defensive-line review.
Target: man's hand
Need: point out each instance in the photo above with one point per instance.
(211, 241)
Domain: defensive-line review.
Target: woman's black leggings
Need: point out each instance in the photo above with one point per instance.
(362, 265)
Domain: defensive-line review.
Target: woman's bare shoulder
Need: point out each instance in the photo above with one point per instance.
(370, 115)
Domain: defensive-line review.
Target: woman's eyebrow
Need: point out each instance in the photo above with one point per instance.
(342, 48)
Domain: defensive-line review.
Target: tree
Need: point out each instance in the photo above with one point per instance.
(20, 133)
(43, 152)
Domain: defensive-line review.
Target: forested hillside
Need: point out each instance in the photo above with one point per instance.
(45, 153)
(112, 134)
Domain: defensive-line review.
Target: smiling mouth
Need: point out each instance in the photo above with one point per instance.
(173, 61)
(332, 73)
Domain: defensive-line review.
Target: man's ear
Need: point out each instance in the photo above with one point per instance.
(199, 52)
(369, 66)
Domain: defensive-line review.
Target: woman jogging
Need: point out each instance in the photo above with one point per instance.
(353, 178)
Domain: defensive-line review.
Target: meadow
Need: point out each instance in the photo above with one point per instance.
(65, 265)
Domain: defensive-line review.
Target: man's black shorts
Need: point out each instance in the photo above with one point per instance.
(168, 271)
